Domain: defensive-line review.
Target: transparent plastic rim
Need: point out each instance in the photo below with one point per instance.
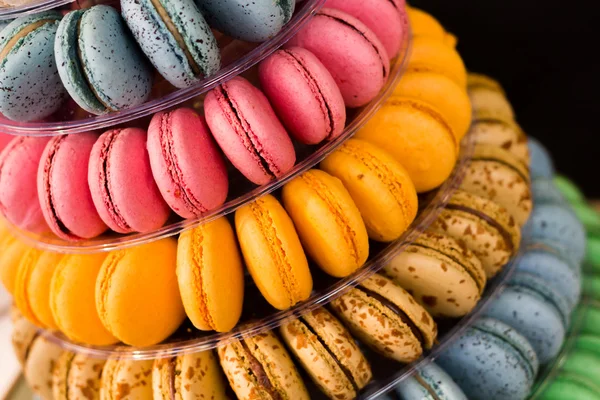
(307, 9)
(134, 239)
(10, 12)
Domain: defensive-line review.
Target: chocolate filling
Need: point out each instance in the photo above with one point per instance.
(426, 386)
(396, 310)
(344, 369)
(47, 175)
(517, 170)
(259, 372)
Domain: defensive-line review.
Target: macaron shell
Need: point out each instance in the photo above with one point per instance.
(569, 189)
(60, 374)
(433, 55)
(583, 364)
(23, 334)
(541, 165)
(84, 377)
(327, 221)
(475, 80)
(132, 375)
(10, 262)
(20, 292)
(430, 382)
(352, 53)
(209, 260)
(41, 359)
(424, 24)
(571, 386)
(490, 104)
(508, 136)
(379, 185)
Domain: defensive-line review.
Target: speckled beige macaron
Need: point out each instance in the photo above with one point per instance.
(126, 379)
(490, 104)
(328, 353)
(77, 376)
(259, 367)
(475, 79)
(42, 357)
(483, 226)
(505, 135)
(23, 334)
(498, 175)
(387, 318)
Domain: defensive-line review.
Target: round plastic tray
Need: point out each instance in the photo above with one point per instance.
(10, 12)
(243, 55)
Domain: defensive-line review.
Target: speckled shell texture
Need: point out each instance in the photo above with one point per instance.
(252, 21)
(430, 379)
(30, 87)
(503, 134)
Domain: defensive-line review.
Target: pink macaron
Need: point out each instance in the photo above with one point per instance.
(186, 162)
(63, 188)
(350, 51)
(5, 140)
(304, 95)
(19, 200)
(386, 18)
(121, 182)
(248, 131)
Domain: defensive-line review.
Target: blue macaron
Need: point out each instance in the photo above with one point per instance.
(535, 310)
(254, 21)
(30, 88)
(175, 37)
(544, 191)
(4, 23)
(491, 361)
(99, 63)
(540, 164)
(429, 383)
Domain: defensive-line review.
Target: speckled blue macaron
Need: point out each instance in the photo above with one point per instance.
(429, 383)
(4, 23)
(536, 311)
(544, 191)
(175, 37)
(491, 361)
(558, 227)
(540, 164)
(30, 88)
(100, 64)
(252, 21)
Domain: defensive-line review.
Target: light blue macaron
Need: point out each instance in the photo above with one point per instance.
(544, 191)
(540, 164)
(4, 23)
(429, 383)
(536, 311)
(99, 63)
(252, 21)
(30, 88)
(491, 361)
(175, 37)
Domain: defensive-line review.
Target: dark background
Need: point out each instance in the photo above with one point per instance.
(546, 55)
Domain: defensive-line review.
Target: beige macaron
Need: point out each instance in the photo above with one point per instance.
(490, 104)
(505, 135)
(124, 379)
(328, 353)
(386, 318)
(77, 376)
(475, 80)
(42, 357)
(23, 334)
(259, 367)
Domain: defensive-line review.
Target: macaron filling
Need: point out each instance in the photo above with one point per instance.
(27, 29)
(258, 371)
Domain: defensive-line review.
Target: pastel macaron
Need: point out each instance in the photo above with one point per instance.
(386, 318)
(490, 104)
(248, 131)
(12, 253)
(352, 53)
(22, 336)
(424, 24)
(429, 382)
(433, 55)
(259, 366)
(418, 136)
(491, 360)
(77, 376)
(126, 202)
(567, 385)
(137, 296)
(42, 356)
(19, 201)
(273, 253)
(569, 189)
(188, 376)
(32, 89)
(328, 353)
(183, 50)
(506, 135)
(328, 222)
(211, 275)
(544, 191)
(541, 164)
(379, 185)
(440, 273)
(591, 318)
(99, 63)
(187, 165)
(583, 363)
(303, 94)
(475, 79)
(126, 378)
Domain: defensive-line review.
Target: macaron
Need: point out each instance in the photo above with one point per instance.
(77, 376)
(19, 201)
(260, 367)
(10, 261)
(490, 104)
(424, 24)
(444, 94)
(569, 189)
(541, 164)
(387, 19)
(257, 21)
(303, 94)
(379, 185)
(418, 136)
(475, 80)
(582, 363)
(433, 55)
(248, 131)
(490, 360)
(387, 319)
(441, 273)
(42, 357)
(126, 379)
(188, 376)
(273, 253)
(499, 133)
(328, 222)
(32, 89)
(591, 319)
(353, 54)
(429, 382)
(591, 286)
(535, 310)
(126, 202)
(589, 344)
(183, 50)
(482, 226)
(137, 296)
(571, 386)
(498, 175)
(592, 253)
(208, 260)
(187, 165)
(328, 354)
(544, 191)
(589, 217)
(22, 336)
(98, 61)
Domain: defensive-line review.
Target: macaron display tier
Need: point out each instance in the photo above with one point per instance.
(15, 9)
